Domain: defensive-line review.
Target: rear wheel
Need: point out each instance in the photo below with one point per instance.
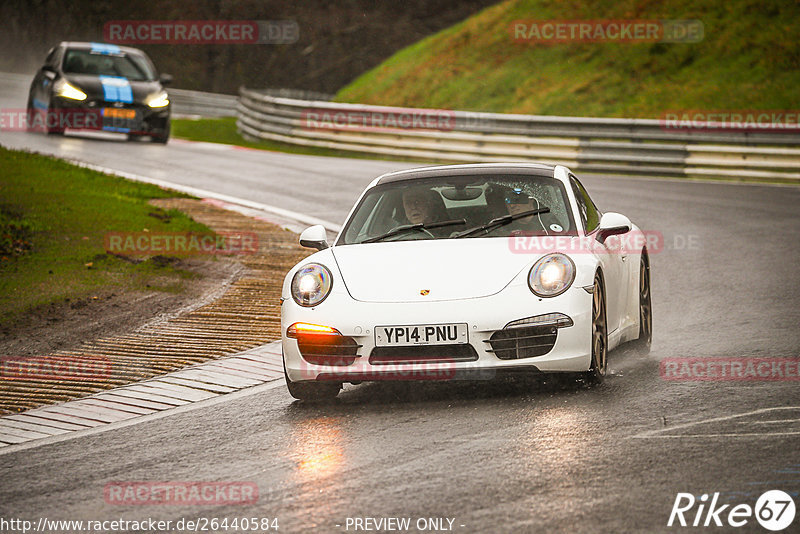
(312, 391)
(599, 364)
(642, 344)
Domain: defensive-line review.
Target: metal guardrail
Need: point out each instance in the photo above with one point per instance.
(185, 102)
(630, 146)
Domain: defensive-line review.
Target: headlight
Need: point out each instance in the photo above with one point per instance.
(311, 284)
(551, 275)
(66, 90)
(158, 100)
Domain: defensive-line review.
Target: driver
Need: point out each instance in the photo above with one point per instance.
(423, 206)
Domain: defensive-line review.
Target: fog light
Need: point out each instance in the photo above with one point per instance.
(559, 320)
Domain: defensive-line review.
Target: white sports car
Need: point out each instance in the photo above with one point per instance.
(463, 271)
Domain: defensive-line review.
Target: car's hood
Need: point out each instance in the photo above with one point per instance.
(93, 87)
(447, 269)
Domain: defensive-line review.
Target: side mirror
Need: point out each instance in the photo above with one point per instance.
(612, 224)
(165, 79)
(49, 72)
(314, 237)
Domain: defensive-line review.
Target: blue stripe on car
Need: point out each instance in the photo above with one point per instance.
(116, 89)
(101, 48)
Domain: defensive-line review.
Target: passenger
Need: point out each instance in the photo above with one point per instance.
(513, 202)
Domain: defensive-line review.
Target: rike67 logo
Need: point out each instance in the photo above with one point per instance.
(774, 510)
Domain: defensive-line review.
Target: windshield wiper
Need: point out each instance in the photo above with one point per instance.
(501, 221)
(418, 226)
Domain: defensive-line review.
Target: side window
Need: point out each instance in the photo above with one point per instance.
(580, 202)
(590, 215)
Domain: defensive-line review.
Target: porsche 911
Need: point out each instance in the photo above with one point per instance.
(464, 271)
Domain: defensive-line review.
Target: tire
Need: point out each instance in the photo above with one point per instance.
(312, 391)
(29, 116)
(162, 139)
(599, 365)
(51, 131)
(642, 344)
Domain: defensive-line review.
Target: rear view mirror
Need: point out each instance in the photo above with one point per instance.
(314, 237)
(462, 193)
(165, 79)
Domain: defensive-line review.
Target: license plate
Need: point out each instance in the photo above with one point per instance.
(117, 113)
(421, 334)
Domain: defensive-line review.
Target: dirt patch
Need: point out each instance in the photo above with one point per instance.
(120, 338)
(69, 324)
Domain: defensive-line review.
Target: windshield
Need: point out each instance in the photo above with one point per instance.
(450, 207)
(130, 66)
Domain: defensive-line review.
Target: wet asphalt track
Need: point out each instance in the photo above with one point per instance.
(536, 455)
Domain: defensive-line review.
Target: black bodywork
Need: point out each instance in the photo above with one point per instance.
(116, 99)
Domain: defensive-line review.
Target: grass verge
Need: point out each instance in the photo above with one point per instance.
(53, 220)
(747, 60)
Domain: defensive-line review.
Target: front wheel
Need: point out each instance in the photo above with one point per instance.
(312, 391)
(164, 137)
(599, 364)
(30, 116)
(50, 117)
(642, 344)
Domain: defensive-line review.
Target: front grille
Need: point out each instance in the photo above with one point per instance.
(524, 342)
(326, 349)
(463, 352)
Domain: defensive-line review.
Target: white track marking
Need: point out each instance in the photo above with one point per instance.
(667, 432)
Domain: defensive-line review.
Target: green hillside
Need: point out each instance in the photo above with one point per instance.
(749, 59)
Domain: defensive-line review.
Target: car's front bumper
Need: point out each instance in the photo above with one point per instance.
(484, 316)
(147, 120)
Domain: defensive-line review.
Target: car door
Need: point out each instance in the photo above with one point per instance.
(612, 261)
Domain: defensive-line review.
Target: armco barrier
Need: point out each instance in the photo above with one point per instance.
(629, 146)
(185, 102)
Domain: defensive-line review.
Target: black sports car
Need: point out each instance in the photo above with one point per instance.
(102, 87)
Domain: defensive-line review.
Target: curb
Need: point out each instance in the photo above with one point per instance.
(132, 402)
